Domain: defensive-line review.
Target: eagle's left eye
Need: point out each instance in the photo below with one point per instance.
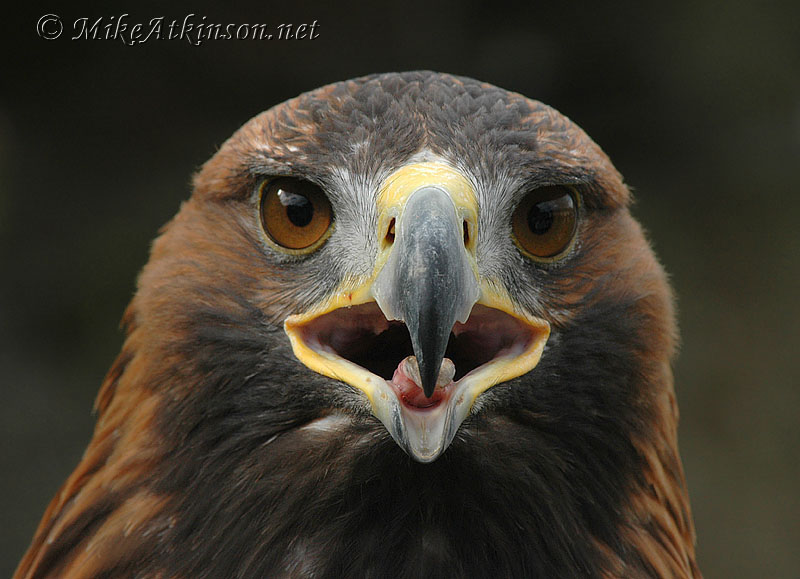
(545, 222)
(295, 214)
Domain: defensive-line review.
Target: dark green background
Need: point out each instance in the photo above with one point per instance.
(698, 104)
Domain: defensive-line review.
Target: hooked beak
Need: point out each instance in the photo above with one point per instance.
(424, 336)
(428, 281)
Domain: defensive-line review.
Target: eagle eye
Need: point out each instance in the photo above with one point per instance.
(544, 223)
(296, 214)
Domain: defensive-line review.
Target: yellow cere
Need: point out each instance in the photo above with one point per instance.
(399, 186)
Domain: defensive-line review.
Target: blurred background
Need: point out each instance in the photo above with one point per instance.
(698, 105)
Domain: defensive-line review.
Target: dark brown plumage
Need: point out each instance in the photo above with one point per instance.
(219, 452)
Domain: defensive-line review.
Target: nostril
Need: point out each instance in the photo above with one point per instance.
(466, 233)
(390, 232)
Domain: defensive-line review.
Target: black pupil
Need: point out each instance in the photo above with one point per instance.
(299, 209)
(540, 218)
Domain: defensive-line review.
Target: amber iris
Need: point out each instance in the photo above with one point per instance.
(545, 222)
(296, 214)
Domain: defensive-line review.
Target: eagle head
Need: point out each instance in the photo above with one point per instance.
(405, 326)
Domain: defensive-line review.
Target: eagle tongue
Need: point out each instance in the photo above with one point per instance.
(408, 382)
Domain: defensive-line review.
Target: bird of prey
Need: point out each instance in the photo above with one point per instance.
(405, 326)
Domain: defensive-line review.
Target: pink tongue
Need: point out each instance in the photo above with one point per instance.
(405, 381)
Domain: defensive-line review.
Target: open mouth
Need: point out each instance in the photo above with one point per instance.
(362, 336)
(424, 335)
